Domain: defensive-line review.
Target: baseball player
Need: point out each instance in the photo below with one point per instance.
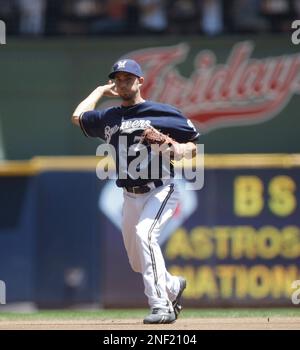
(149, 203)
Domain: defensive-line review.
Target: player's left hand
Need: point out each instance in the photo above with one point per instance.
(182, 150)
(178, 150)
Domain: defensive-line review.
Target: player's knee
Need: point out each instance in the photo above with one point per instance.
(135, 264)
(142, 234)
(135, 267)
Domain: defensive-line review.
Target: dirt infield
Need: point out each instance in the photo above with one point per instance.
(238, 323)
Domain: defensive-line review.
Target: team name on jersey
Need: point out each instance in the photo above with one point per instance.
(129, 126)
(109, 131)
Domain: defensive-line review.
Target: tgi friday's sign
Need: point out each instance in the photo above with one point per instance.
(244, 90)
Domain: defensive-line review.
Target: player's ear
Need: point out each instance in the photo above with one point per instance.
(141, 81)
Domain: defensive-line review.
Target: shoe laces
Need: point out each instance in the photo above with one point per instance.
(156, 310)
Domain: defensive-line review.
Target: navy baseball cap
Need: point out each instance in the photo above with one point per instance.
(126, 65)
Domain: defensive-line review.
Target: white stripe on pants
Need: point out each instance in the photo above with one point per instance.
(144, 216)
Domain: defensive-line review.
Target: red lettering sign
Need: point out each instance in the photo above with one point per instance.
(244, 90)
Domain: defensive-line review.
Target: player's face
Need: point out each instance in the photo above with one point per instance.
(127, 85)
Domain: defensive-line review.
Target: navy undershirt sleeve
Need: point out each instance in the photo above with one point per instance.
(91, 123)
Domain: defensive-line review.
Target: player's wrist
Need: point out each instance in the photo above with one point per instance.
(100, 90)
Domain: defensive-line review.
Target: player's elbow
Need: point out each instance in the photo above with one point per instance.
(75, 120)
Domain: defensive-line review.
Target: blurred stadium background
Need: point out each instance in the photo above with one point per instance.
(232, 68)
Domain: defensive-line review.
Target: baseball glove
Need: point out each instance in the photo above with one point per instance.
(152, 136)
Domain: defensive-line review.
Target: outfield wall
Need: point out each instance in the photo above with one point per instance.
(44, 80)
(237, 240)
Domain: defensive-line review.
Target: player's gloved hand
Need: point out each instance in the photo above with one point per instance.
(152, 136)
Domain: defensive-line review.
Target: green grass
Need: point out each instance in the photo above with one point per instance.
(140, 313)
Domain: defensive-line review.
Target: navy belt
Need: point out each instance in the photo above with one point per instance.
(144, 188)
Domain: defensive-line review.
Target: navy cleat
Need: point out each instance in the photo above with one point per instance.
(160, 316)
(176, 303)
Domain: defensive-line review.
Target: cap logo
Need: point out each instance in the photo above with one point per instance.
(121, 64)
